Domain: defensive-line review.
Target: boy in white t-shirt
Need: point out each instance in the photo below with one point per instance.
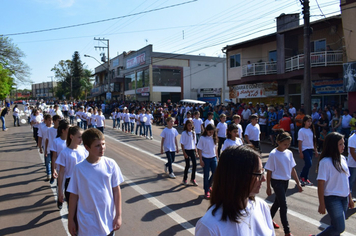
(42, 139)
(209, 120)
(100, 121)
(95, 194)
(169, 145)
(148, 124)
(198, 125)
(221, 131)
(237, 120)
(252, 132)
(189, 117)
(132, 120)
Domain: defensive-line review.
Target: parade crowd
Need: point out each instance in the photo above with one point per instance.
(226, 141)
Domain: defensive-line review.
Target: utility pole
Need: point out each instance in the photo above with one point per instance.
(307, 74)
(108, 59)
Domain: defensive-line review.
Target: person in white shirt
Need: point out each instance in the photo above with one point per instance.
(138, 122)
(237, 120)
(262, 121)
(280, 168)
(132, 121)
(65, 109)
(126, 118)
(292, 110)
(92, 118)
(252, 133)
(232, 137)
(35, 121)
(100, 121)
(351, 160)
(78, 117)
(247, 214)
(15, 115)
(169, 145)
(71, 116)
(333, 184)
(148, 124)
(207, 151)
(221, 132)
(188, 117)
(113, 117)
(103, 108)
(306, 145)
(42, 139)
(345, 124)
(209, 120)
(188, 144)
(198, 125)
(246, 113)
(118, 118)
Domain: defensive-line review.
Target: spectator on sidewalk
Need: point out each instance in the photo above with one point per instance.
(4, 112)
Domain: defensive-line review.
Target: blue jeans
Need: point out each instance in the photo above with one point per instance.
(3, 122)
(80, 124)
(118, 122)
(280, 188)
(209, 164)
(16, 119)
(127, 126)
(71, 120)
(337, 208)
(148, 128)
(85, 124)
(198, 137)
(132, 127)
(352, 177)
(170, 157)
(142, 128)
(308, 155)
(48, 164)
(113, 123)
(138, 126)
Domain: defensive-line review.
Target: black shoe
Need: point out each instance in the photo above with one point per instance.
(59, 205)
(52, 180)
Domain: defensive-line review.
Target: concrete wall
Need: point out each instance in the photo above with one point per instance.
(170, 62)
(348, 14)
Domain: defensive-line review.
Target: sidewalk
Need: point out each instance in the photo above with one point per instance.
(27, 205)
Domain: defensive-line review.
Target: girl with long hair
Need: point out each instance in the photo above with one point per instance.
(207, 150)
(187, 141)
(280, 168)
(15, 115)
(232, 137)
(333, 184)
(233, 209)
(68, 158)
(307, 143)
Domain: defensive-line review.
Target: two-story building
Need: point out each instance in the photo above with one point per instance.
(269, 69)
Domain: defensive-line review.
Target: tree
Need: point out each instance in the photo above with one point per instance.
(63, 75)
(6, 82)
(11, 60)
(86, 82)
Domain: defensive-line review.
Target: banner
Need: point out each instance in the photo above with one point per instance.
(328, 86)
(136, 61)
(258, 90)
(350, 77)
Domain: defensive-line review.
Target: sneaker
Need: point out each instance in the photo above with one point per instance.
(308, 183)
(275, 225)
(207, 195)
(59, 205)
(146, 137)
(48, 177)
(184, 182)
(165, 169)
(52, 180)
(302, 182)
(172, 176)
(151, 137)
(193, 182)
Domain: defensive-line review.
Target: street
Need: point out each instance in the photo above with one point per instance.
(153, 204)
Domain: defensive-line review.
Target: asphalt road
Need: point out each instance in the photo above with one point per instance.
(153, 204)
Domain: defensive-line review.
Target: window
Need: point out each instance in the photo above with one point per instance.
(130, 82)
(235, 60)
(166, 77)
(272, 56)
(319, 45)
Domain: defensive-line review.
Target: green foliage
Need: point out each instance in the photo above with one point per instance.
(6, 82)
(11, 60)
(86, 82)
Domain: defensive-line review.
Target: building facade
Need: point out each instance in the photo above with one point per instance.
(270, 68)
(45, 90)
(145, 75)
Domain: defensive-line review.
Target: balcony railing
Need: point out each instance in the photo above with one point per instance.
(317, 59)
(262, 68)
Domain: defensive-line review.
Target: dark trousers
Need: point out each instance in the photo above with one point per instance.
(101, 129)
(256, 144)
(170, 157)
(35, 134)
(16, 119)
(191, 156)
(221, 142)
(66, 194)
(280, 188)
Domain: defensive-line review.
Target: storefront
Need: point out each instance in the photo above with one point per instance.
(329, 92)
(211, 95)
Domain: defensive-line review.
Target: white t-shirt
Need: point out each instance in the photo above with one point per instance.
(207, 146)
(93, 184)
(149, 118)
(351, 143)
(71, 112)
(253, 132)
(230, 142)
(292, 111)
(68, 158)
(16, 112)
(137, 117)
(103, 106)
(78, 115)
(100, 120)
(65, 107)
(197, 125)
(58, 145)
(43, 133)
(208, 122)
(306, 136)
(93, 119)
(260, 221)
(280, 164)
(263, 120)
(185, 119)
(169, 136)
(113, 115)
(51, 136)
(188, 139)
(336, 183)
(240, 130)
(221, 127)
(246, 114)
(132, 118)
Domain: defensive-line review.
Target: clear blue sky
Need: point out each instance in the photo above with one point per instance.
(208, 26)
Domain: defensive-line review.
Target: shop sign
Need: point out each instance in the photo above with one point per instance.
(136, 61)
(145, 94)
(350, 76)
(212, 100)
(108, 96)
(211, 92)
(143, 90)
(328, 86)
(258, 90)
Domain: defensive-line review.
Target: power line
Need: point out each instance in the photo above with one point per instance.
(99, 21)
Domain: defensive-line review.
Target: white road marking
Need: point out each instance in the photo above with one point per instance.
(168, 211)
(291, 212)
